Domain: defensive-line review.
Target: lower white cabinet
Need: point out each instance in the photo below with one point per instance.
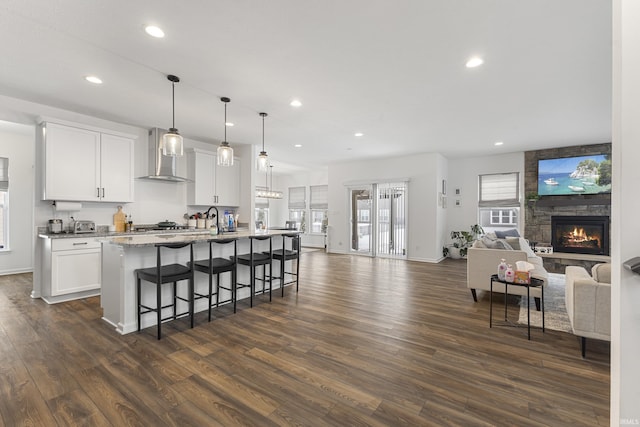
(75, 266)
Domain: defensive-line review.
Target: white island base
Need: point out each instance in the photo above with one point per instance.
(121, 257)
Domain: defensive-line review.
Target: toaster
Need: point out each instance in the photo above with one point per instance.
(84, 227)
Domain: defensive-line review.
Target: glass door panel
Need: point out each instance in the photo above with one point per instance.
(362, 210)
(391, 220)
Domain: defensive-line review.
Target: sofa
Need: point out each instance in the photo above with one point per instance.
(588, 301)
(485, 255)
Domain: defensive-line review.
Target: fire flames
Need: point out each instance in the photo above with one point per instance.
(579, 235)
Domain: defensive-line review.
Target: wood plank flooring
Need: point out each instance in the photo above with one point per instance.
(365, 342)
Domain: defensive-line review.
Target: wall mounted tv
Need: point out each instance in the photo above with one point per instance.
(575, 175)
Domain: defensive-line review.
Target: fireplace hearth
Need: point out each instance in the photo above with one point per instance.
(580, 234)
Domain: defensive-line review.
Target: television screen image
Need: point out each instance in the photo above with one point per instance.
(575, 175)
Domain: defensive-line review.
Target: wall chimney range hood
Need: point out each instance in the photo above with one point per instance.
(161, 168)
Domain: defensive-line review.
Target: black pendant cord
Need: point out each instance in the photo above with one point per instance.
(225, 122)
(173, 105)
(263, 133)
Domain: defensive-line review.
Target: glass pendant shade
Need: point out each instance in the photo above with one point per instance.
(263, 162)
(172, 143)
(225, 154)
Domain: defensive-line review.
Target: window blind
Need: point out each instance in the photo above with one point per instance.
(297, 198)
(319, 197)
(4, 174)
(501, 189)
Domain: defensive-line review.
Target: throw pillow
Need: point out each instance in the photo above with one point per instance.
(478, 244)
(601, 273)
(495, 243)
(514, 242)
(507, 233)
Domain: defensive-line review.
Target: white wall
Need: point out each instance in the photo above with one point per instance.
(154, 200)
(463, 174)
(625, 205)
(424, 172)
(17, 144)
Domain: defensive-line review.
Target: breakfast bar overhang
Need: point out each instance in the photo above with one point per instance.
(123, 255)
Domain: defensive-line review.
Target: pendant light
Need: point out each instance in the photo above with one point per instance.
(263, 159)
(269, 192)
(225, 152)
(172, 141)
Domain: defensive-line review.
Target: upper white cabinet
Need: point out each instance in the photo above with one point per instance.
(212, 184)
(86, 165)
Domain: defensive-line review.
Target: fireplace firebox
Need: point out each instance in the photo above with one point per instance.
(580, 234)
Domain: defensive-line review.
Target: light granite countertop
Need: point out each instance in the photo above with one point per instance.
(139, 240)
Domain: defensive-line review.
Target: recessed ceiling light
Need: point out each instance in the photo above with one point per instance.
(474, 62)
(296, 103)
(94, 79)
(498, 143)
(358, 134)
(154, 31)
(298, 145)
(229, 124)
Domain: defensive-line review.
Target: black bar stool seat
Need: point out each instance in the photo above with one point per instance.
(283, 255)
(160, 275)
(253, 260)
(216, 266)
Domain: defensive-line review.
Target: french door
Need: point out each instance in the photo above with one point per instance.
(378, 218)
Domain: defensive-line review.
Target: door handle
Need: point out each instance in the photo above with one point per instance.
(103, 192)
(82, 243)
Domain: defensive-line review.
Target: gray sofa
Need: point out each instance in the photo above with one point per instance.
(588, 301)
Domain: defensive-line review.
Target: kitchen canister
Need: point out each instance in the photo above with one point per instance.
(200, 223)
(55, 226)
(191, 223)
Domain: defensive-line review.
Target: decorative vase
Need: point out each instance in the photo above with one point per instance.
(509, 274)
(502, 268)
(454, 252)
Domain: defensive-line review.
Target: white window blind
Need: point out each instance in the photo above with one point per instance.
(4, 174)
(319, 197)
(501, 189)
(297, 198)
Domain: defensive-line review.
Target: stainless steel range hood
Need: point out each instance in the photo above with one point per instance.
(161, 168)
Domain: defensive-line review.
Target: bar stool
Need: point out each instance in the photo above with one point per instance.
(284, 254)
(253, 260)
(161, 274)
(215, 266)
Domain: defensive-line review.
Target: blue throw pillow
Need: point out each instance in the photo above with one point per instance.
(507, 233)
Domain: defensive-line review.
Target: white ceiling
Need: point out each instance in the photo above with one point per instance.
(394, 70)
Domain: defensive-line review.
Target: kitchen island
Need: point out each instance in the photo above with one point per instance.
(122, 255)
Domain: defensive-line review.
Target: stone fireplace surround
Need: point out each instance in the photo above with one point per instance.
(538, 214)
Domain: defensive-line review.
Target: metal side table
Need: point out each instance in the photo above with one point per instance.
(534, 284)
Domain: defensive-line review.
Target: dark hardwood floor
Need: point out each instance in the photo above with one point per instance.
(365, 342)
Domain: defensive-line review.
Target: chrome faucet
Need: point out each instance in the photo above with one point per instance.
(215, 216)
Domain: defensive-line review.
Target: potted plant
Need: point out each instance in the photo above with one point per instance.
(532, 198)
(462, 240)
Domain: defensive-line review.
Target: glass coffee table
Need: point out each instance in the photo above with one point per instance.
(535, 283)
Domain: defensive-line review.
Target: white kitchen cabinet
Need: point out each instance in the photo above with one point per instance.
(212, 184)
(86, 165)
(71, 269)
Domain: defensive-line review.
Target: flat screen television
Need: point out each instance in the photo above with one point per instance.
(575, 175)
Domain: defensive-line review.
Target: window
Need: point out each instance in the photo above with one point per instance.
(297, 206)
(499, 204)
(503, 217)
(319, 204)
(262, 210)
(4, 203)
